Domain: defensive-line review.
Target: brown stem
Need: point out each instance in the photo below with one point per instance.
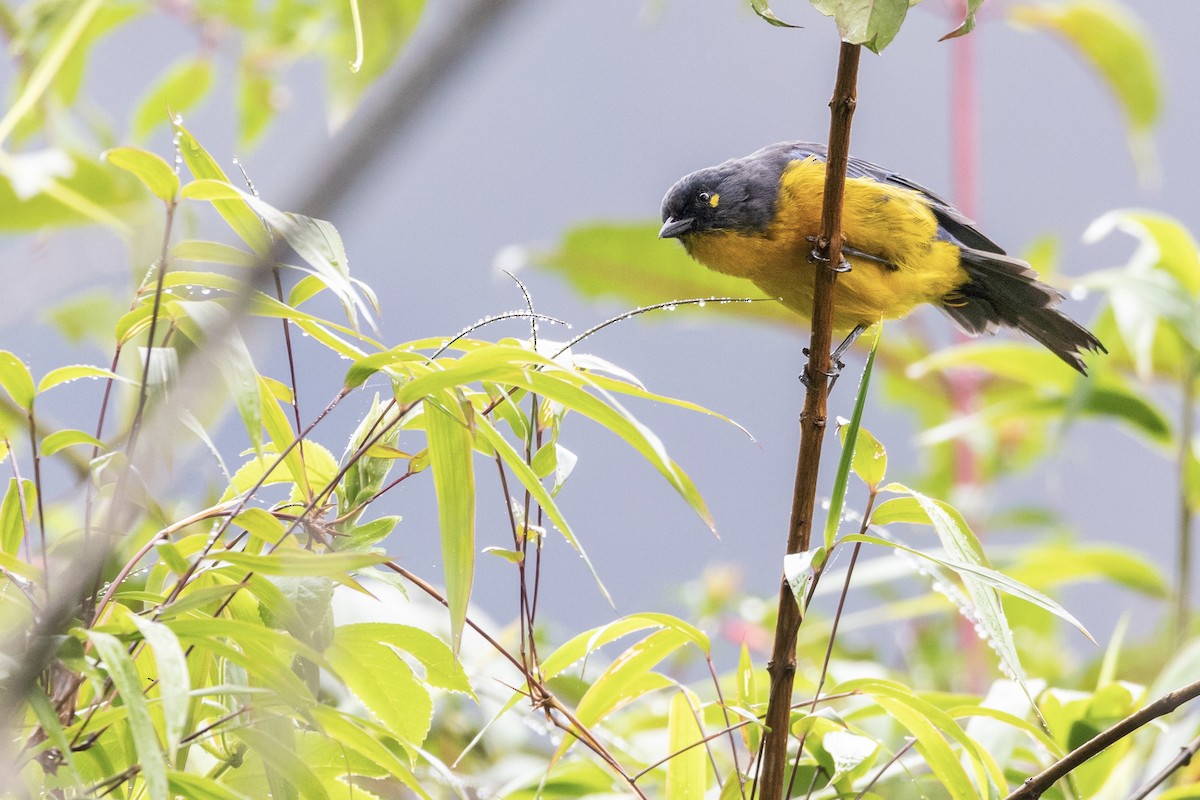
(782, 667)
(1034, 787)
(1186, 754)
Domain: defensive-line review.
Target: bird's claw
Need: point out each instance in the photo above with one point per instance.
(817, 257)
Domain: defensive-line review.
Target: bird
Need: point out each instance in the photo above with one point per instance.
(759, 217)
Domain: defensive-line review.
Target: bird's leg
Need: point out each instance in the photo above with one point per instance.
(851, 251)
(835, 358)
(815, 256)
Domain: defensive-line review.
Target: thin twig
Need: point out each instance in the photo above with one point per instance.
(875, 778)
(1035, 786)
(1186, 754)
(782, 667)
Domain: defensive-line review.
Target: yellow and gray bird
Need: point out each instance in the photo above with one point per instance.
(759, 217)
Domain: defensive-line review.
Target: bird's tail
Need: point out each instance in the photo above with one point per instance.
(1004, 291)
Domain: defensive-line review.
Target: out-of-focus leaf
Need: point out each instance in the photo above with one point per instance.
(47, 68)
(180, 89)
(873, 24)
(149, 168)
(580, 645)
(200, 787)
(347, 730)
(687, 771)
(62, 189)
(451, 452)
(385, 26)
(124, 676)
(1115, 41)
(1110, 37)
(256, 101)
(1055, 564)
(631, 264)
(764, 11)
(1030, 364)
(109, 16)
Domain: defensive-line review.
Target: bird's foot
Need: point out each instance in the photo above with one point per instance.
(817, 256)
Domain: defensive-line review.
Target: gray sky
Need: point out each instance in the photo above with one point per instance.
(577, 112)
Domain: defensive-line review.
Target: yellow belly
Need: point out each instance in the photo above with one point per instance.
(889, 222)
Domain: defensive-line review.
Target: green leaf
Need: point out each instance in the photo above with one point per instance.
(52, 188)
(15, 512)
(16, 379)
(385, 26)
(149, 168)
(298, 563)
(849, 436)
(212, 252)
(1115, 42)
(629, 263)
(628, 677)
(347, 730)
(579, 646)
(968, 23)
(66, 438)
(47, 717)
(687, 771)
(366, 535)
(764, 11)
(1055, 564)
(70, 75)
(280, 758)
(798, 569)
(927, 723)
(124, 676)
(963, 548)
(530, 481)
(179, 89)
(450, 452)
(200, 787)
(236, 213)
(257, 101)
(872, 24)
(173, 682)
(48, 66)
(996, 580)
(383, 682)
(442, 669)
(74, 372)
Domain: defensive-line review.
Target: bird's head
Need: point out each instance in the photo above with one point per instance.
(738, 195)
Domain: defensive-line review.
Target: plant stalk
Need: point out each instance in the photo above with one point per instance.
(782, 667)
(1187, 431)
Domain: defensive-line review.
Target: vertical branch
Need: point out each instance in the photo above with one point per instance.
(782, 667)
(1187, 431)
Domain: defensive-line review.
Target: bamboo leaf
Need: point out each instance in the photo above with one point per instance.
(687, 771)
(149, 168)
(180, 89)
(173, 681)
(872, 24)
(16, 379)
(383, 682)
(849, 436)
(67, 438)
(294, 562)
(451, 456)
(124, 676)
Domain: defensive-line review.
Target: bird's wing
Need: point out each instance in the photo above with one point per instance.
(953, 225)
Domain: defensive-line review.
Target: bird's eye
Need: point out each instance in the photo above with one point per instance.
(704, 197)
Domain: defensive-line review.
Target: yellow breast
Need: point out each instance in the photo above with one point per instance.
(889, 222)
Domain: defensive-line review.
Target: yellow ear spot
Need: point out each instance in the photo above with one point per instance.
(716, 198)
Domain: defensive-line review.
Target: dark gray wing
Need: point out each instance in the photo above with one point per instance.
(952, 224)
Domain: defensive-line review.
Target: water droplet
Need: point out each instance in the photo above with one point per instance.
(670, 307)
(701, 303)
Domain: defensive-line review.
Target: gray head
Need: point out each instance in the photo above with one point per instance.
(738, 195)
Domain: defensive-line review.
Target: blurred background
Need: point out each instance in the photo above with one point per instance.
(564, 114)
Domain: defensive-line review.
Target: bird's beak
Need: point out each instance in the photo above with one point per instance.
(674, 228)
